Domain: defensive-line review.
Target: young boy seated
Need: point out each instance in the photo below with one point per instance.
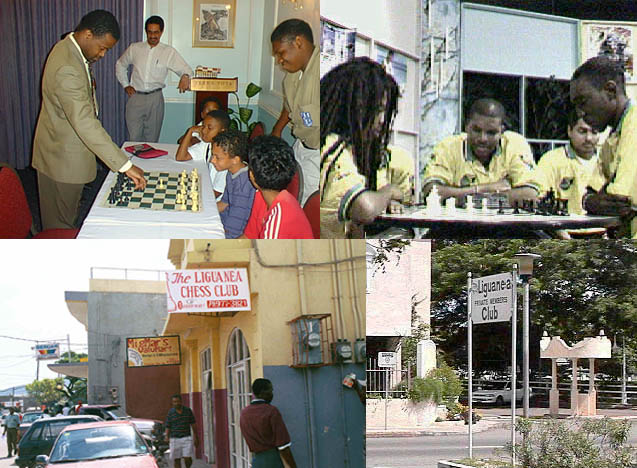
(213, 123)
(276, 214)
(207, 105)
(230, 154)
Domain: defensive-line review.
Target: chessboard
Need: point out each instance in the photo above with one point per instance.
(174, 191)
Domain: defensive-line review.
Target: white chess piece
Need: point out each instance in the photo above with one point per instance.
(433, 201)
(485, 206)
(470, 208)
(450, 205)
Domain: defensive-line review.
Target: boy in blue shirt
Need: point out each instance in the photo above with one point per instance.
(230, 152)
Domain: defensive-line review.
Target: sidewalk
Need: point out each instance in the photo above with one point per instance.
(438, 428)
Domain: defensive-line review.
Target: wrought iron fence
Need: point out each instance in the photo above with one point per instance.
(386, 382)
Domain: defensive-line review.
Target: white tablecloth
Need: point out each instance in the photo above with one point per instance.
(116, 223)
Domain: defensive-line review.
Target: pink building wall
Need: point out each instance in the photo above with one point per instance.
(389, 293)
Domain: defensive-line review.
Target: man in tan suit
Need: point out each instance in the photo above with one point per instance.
(68, 135)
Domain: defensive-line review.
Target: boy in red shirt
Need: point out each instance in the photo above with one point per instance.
(276, 214)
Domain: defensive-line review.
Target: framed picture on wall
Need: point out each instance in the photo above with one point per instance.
(213, 23)
(614, 40)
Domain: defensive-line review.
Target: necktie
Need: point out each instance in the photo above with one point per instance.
(93, 89)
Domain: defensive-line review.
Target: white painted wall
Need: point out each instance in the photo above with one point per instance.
(392, 22)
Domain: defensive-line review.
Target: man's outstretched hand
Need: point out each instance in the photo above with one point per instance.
(136, 174)
(607, 204)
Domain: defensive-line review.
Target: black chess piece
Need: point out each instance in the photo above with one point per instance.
(516, 208)
(500, 206)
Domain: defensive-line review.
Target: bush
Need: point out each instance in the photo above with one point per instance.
(426, 389)
(598, 443)
(450, 381)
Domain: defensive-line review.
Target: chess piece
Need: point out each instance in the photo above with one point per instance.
(470, 207)
(450, 205)
(161, 184)
(516, 209)
(433, 201)
(485, 206)
(500, 206)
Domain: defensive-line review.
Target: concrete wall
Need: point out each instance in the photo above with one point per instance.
(316, 395)
(390, 292)
(113, 317)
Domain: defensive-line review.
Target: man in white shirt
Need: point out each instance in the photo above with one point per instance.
(151, 61)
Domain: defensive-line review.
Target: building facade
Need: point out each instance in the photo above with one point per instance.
(307, 305)
(112, 311)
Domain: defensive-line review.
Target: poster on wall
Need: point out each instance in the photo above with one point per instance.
(337, 46)
(220, 291)
(613, 40)
(213, 23)
(153, 351)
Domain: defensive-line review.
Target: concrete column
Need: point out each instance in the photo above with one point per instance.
(592, 393)
(554, 395)
(426, 357)
(574, 406)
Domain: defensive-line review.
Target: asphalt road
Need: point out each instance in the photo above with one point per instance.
(425, 451)
(4, 461)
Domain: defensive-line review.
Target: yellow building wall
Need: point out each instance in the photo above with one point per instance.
(288, 278)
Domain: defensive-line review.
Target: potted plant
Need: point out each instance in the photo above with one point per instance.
(241, 118)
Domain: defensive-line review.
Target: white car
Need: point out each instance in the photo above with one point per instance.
(497, 393)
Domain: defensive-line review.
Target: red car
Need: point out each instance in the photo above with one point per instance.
(107, 444)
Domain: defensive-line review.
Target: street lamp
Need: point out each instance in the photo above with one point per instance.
(616, 349)
(525, 262)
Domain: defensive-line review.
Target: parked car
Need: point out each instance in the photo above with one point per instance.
(115, 413)
(39, 439)
(497, 393)
(115, 444)
(28, 418)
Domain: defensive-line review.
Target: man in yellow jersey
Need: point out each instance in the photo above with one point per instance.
(485, 159)
(569, 169)
(598, 92)
(398, 171)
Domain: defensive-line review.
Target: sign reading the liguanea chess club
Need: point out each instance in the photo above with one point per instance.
(152, 351)
(492, 298)
(47, 351)
(386, 359)
(217, 290)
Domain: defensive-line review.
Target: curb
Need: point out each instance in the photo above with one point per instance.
(429, 433)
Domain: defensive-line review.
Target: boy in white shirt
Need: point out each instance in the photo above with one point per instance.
(214, 123)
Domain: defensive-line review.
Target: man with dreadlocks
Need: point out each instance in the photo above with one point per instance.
(358, 104)
(485, 159)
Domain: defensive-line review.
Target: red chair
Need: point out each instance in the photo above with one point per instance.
(256, 131)
(15, 216)
(295, 187)
(312, 210)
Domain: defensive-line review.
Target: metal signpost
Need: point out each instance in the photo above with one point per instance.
(387, 359)
(492, 299)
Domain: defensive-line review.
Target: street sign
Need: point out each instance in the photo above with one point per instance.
(47, 351)
(386, 359)
(492, 298)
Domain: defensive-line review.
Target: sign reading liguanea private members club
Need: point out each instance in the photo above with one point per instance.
(216, 290)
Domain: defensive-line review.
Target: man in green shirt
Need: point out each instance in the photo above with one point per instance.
(11, 425)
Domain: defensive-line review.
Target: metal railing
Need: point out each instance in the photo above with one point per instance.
(127, 274)
(608, 393)
(386, 382)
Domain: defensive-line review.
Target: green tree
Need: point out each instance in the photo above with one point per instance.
(577, 289)
(74, 388)
(45, 391)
